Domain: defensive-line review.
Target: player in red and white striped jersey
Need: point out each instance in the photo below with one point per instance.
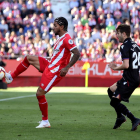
(53, 69)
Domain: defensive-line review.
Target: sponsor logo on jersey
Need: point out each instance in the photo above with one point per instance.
(70, 41)
(42, 84)
(124, 83)
(122, 46)
(56, 50)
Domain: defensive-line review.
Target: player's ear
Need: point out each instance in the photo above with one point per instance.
(62, 27)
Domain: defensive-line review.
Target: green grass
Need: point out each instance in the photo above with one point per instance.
(74, 114)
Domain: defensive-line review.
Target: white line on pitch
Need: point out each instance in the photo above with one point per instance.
(7, 99)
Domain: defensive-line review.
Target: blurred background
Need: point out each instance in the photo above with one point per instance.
(26, 28)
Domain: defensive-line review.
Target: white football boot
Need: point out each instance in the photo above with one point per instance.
(44, 124)
(8, 78)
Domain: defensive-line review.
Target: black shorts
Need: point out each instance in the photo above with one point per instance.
(125, 89)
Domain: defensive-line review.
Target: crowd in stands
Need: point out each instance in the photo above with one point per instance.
(26, 27)
(94, 23)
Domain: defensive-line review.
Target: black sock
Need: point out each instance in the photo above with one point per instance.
(110, 94)
(119, 107)
(126, 112)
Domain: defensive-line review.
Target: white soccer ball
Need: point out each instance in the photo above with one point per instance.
(2, 73)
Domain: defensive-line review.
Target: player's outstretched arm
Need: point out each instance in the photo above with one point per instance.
(75, 57)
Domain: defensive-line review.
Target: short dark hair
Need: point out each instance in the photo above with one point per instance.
(124, 28)
(62, 21)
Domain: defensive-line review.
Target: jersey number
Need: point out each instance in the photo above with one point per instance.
(136, 59)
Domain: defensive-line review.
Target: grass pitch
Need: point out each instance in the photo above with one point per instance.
(74, 114)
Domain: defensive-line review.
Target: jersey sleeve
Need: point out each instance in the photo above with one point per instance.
(69, 44)
(124, 49)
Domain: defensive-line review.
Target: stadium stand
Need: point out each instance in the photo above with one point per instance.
(26, 27)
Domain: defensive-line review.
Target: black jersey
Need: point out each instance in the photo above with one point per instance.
(130, 50)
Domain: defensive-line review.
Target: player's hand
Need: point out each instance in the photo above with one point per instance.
(112, 66)
(63, 71)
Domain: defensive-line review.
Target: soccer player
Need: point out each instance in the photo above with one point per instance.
(53, 69)
(122, 90)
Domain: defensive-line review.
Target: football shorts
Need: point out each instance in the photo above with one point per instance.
(48, 79)
(124, 90)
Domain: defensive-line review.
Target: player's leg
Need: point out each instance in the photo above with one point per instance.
(27, 61)
(110, 91)
(43, 105)
(48, 80)
(115, 102)
(125, 92)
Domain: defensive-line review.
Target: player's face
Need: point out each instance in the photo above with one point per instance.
(56, 28)
(120, 36)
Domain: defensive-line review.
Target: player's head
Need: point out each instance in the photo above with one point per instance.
(123, 32)
(60, 23)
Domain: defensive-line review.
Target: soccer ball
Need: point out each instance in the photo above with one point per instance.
(2, 73)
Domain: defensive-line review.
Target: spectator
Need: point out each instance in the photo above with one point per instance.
(72, 4)
(7, 11)
(31, 7)
(100, 11)
(97, 4)
(101, 21)
(92, 21)
(3, 27)
(75, 20)
(82, 3)
(96, 34)
(48, 11)
(132, 4)
(88, 39)
(84, 20)
(50, 19)
(109, 18)
(115, 5)
(81, 45)
(92, 11)
(39, 7)
(82, 12)
(109, 55)
(125, 15)
(28, 27)
(106, 4)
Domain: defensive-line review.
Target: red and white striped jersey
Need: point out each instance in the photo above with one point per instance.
(62, 53)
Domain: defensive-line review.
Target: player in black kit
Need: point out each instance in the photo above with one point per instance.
(122, 90)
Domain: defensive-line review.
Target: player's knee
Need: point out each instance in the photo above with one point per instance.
(40, 92)
(114, 102)
(110, 93)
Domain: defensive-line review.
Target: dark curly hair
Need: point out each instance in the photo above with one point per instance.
(62, 21)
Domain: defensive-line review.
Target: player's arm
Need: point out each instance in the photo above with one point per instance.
(123, 66)
(75, 57)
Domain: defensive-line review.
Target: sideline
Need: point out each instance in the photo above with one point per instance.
(7, 99)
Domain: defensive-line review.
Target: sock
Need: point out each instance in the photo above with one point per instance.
(121, 108)
(110, 94)
(21, 68)
(43, 105)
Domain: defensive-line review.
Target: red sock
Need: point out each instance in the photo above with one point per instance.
(21, 68)
(43, 106)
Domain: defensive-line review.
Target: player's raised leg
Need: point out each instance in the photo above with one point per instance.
(27, 61)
